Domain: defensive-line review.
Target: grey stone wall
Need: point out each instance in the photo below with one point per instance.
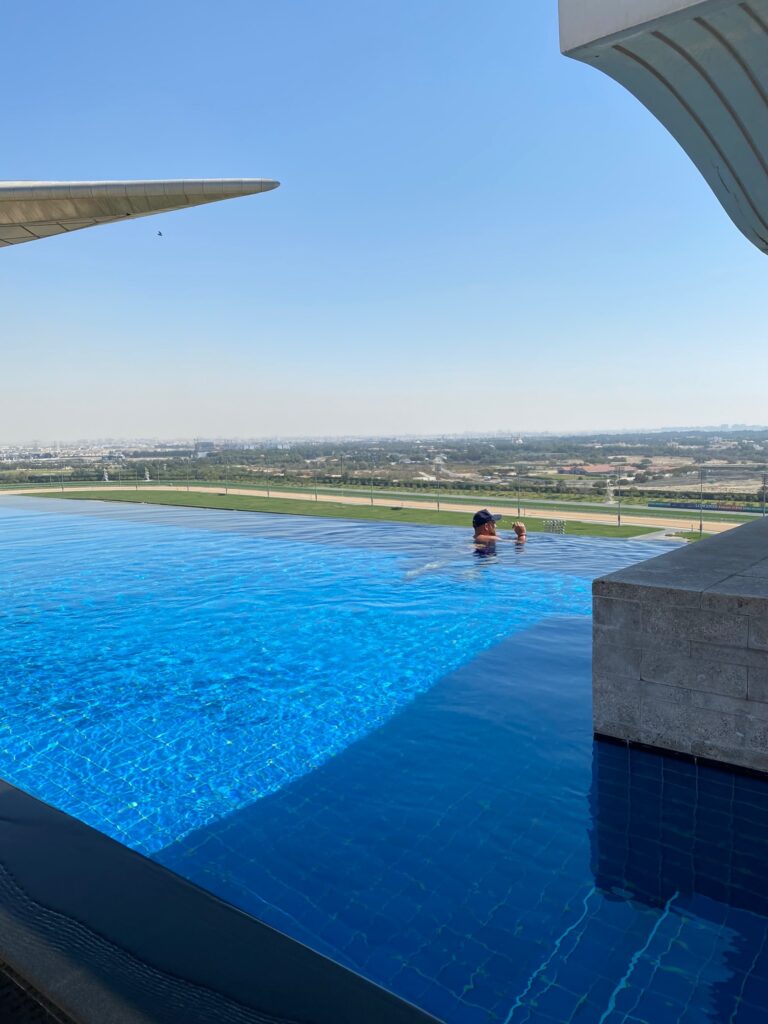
(680, 653)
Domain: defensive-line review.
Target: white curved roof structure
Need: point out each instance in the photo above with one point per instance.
(38, 209)
(701, 66)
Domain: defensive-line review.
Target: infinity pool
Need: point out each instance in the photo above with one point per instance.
(380, 744)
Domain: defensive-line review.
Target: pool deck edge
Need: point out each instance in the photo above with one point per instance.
(107, 936)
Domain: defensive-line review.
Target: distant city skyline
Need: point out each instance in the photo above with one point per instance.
(46, 443)
(471, 236)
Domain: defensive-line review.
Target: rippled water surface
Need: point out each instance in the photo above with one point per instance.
(380, 744)
(165, 666)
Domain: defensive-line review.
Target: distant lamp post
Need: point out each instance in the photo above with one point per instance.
(608, 491)
(438, 467)
(518, 492)
(701, 502)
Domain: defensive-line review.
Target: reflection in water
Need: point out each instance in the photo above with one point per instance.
(689, 841)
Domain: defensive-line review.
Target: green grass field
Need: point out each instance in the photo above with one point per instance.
(327, 510)
(628, 510)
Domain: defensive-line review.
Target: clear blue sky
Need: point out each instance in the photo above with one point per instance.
(473, 232)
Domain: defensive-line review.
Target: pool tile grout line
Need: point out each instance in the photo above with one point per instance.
(636, 957)
(519, 1001)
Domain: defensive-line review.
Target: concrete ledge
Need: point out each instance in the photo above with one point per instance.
(680, 650)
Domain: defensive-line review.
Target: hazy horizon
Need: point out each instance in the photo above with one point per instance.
(471, 236)
(231, 439)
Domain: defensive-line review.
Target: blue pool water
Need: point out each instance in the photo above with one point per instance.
(381, 745)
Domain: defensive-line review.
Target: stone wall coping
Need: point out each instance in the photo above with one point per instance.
(731, 564)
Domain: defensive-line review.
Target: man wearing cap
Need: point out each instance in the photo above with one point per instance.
(484, 525)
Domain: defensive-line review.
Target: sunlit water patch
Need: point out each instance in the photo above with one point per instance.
(163, 667)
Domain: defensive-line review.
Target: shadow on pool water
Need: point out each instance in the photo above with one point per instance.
(480, 856)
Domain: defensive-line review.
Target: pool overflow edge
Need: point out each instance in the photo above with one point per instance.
(103, 935)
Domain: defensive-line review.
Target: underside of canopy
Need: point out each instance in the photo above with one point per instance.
(39, 209)
(701, 66)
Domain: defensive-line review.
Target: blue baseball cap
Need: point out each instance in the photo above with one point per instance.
(484, 516)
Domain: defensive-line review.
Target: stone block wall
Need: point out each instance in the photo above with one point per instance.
(680, 652)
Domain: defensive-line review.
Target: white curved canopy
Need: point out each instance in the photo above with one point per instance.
(38, 209)
(701, 66)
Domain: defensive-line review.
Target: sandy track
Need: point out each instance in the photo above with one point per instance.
(660, 522)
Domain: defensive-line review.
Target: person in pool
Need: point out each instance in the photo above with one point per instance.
(484, 525)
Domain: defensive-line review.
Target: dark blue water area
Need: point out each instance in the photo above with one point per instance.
(381, 745)
(482, 857)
